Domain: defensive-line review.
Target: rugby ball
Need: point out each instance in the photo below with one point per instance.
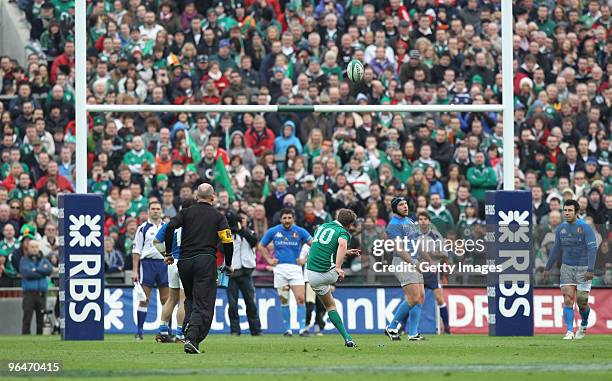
(354, 70)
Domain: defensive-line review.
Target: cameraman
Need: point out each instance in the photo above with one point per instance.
(243, 263)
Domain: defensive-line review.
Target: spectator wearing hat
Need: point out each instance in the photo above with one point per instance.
(308, 192)
(184, 92)
(39, 18)
(223, 56)
(176, 175)
(407, 70)
(591, 168)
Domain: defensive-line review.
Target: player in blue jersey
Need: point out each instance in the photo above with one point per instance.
(428, 234)
(288, 239)
(402, 228)
(575, 243)
(176, 295)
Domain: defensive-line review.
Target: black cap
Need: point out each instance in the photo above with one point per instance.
(202, 58)
(395, 203)
(232, 219)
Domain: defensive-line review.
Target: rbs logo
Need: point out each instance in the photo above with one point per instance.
(514, 282)
(86, 287)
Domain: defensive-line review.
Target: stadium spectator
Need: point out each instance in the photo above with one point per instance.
(35, 270)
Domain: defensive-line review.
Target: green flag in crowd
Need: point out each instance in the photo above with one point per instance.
(223, 179)
(266, 189)
(194, 150)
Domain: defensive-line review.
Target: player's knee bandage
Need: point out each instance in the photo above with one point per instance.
(283, 292)
(583, 298)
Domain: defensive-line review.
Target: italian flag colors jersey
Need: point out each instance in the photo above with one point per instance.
(322, 256)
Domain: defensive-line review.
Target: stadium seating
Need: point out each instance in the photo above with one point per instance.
(295, 52)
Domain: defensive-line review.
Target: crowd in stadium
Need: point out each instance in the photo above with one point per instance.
(295, 52)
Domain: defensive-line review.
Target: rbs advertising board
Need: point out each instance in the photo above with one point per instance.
(509, 231)
(81, 220)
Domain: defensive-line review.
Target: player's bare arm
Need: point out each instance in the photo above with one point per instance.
(266, 254)
(135, 266)
(340, 255)
(304, 254)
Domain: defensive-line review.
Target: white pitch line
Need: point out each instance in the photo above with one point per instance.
(474, 368)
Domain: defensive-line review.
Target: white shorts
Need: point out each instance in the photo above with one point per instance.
(174, 280)
(574, 276)
(406, 277)
(287, 274)
(321, 282)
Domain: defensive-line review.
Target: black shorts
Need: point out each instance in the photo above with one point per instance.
(431, 280)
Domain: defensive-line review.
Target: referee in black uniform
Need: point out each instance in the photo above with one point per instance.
(203, 228)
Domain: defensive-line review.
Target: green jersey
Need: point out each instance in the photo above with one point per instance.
(322, 256)
(6, 249)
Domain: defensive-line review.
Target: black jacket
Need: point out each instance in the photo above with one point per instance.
(201, 238)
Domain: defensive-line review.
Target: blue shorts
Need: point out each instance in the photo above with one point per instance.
(431, 280)
(153, 272)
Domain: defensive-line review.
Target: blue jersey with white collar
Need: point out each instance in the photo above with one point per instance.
(576, 243)
(287, 242)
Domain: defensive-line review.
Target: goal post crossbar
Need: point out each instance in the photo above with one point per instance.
(81, 106)
(294, 108)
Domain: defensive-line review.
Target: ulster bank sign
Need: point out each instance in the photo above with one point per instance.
(82, 266)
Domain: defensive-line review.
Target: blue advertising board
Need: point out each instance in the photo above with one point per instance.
(81, 227)
(363, 310)
(509, 236)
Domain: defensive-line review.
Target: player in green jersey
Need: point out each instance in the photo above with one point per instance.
(324, 264)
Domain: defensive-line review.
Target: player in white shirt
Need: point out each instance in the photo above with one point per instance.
(148, 267)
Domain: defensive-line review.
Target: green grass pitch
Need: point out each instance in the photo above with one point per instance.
(273, 357)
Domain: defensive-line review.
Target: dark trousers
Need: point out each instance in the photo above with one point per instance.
(33, 302)
(320, 311)
(243, 282)
(199, 277)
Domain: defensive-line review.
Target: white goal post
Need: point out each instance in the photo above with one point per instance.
(81, 106)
